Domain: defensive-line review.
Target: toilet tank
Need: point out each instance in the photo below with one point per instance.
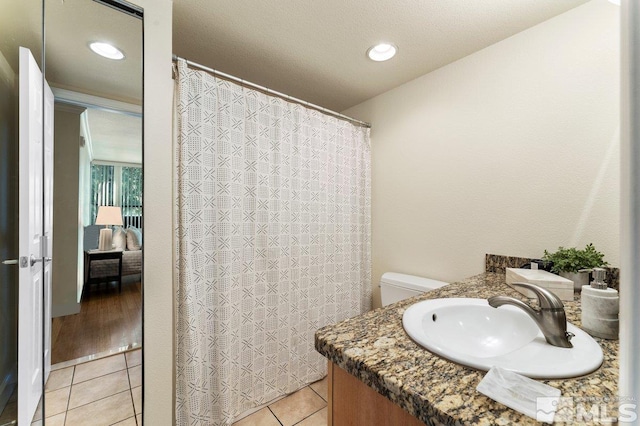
(395, 287)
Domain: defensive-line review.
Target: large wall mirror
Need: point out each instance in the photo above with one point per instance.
(87, 266)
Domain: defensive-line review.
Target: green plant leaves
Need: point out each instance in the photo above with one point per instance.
(572, 259)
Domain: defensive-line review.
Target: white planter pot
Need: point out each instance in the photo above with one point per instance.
(579, 279)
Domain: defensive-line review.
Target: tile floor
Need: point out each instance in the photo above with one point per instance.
(306, 407)
(107, 391)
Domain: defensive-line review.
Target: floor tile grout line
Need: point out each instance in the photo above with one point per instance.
(43, 401)
(317, 393)
(306, 417)
(274, 415)
(135, 413)
(73, 373)
(120, 421)
(46, 391)
(73, 364)
(99, 399)
(102, 375)
(315, 412)
(131, 395)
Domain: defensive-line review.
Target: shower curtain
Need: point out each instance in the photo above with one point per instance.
(272, 239)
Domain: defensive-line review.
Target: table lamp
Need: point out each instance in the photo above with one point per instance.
(107, 215)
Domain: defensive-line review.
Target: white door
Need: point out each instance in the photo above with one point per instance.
(48, 222)
(34, 280)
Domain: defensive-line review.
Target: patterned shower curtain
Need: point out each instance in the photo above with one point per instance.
(272, 238)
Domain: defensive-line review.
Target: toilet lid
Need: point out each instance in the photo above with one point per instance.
(411, 281)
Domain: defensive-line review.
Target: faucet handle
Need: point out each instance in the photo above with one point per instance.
(547, 299)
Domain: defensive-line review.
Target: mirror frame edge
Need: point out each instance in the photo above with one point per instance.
(629, 385)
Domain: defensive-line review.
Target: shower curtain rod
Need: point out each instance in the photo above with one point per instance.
(272, 92)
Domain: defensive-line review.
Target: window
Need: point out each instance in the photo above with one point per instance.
(114, 185)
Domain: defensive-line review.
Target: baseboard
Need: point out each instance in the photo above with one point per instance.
(133, 278)
(63, 310)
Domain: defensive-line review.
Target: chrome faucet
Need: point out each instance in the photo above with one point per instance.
(550, 317)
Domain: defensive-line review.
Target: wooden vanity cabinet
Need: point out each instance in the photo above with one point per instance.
(352, 403)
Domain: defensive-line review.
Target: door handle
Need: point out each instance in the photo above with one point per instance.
(23, 261)
(35, 260)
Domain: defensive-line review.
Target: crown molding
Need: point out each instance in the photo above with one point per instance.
(92, 101)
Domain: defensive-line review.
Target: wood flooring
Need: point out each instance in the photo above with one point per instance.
(107, 320)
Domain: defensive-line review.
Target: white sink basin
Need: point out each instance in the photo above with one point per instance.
(472, 333)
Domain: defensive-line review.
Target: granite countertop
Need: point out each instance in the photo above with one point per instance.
(375, 348)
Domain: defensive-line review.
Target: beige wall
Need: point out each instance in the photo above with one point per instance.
(66, 279)
(511, 150)
(158, 327)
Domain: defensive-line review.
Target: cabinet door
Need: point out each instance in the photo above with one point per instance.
(352, 403)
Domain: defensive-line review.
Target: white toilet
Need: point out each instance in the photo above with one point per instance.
(395, 287)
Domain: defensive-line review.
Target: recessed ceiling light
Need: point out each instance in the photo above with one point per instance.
(616, 2)
(382, 52)
(107, 50)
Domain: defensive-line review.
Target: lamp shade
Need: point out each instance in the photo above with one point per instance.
(108, 215)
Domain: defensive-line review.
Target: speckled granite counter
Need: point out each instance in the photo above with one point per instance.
(375, 348)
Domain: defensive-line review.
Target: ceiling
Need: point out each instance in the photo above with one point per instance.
(315, 50)
(115, 136)
(70, 26)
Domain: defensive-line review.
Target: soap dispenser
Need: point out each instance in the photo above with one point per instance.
(600, 307)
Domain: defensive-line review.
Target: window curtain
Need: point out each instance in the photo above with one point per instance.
(102, 188)
(131, 196)
(115, 185)
(272, 239)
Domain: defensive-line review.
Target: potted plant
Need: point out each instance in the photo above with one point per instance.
(568, 263)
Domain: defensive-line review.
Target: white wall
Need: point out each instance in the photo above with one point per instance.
(511, 150)
(84, 173)
(84, 199)
(67, 244)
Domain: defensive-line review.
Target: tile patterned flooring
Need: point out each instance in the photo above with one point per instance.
(107, 391)
(306, 407)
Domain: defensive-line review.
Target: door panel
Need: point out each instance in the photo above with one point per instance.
(47, 221)
(31, 226)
